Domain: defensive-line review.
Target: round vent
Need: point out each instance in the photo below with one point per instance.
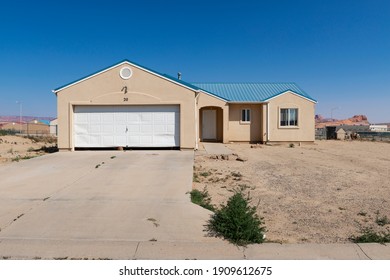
(125, 73)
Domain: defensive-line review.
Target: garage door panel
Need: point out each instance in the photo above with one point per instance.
(95, 128)
(108, 118)
(107, 129)
(94, 118)
(81, 128)
(121, 141)
(120, 118)
(133, 126)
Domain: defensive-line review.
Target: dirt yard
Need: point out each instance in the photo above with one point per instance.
(16, 148)
(320, 193)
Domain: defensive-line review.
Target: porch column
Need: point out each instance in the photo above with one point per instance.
(264, 122)
(225, 110)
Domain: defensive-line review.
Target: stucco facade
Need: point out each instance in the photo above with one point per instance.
(148, 88)
(304, 131)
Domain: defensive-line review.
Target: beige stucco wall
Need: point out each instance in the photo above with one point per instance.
(304, 132)
(143, 88)
(246, 132)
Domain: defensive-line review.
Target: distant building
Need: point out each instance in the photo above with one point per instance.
(378, 127)
(54, 127)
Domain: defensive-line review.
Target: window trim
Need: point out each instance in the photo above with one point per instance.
(247, 115)
(288, 117)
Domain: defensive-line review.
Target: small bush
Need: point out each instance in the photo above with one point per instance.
(368, 235)
(237, 221)
(292, 145)
(236, 174)
(202, 198)
(205, 174)
(382, 221)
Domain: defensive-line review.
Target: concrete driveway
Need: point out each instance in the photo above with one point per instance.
(91, 202)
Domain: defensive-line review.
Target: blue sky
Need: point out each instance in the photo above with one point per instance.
(337, 51)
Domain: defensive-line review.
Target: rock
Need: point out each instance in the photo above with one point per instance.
(241, 159)
(256, 146)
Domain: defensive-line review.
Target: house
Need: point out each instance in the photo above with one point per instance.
(378, 127)
(130, 105)
(54, 127)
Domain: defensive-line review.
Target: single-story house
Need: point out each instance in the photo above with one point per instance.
(130, 105)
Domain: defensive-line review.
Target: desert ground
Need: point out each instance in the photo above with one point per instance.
(324, 192)
(16, 148)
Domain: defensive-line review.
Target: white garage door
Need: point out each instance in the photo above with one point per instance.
(126, 126)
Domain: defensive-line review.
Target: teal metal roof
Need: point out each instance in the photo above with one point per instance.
(251, 92)
(47, 122)
(131, 63)
(231, 92)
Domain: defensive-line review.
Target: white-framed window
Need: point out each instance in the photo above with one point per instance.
(289, 117)
(246, 115)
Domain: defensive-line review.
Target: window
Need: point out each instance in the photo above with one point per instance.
(289, 117)
(245, 115)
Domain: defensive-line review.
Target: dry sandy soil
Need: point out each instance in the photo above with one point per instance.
(320, 193)
(16, 148)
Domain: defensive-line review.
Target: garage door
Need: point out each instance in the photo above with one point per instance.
(126, 126)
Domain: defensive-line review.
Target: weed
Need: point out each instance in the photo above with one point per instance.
(202, 198)
(368, 235)
(292, 145)
(243, 187)
(112, 157)
(382, 221)
(97, 166)
(205, 174)
(195, 178)
(236, 174)
(237, 221)
(342, 208)
(153, 239)
(362, 213)
(18, 158)
(45, 139)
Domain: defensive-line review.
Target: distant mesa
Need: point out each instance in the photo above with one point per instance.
(355, 120)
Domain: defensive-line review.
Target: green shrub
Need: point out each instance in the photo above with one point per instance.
(202, 198)
(368, 235)
(205, 174)
(7, 132)
(237, 221)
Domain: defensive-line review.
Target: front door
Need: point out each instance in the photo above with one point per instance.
(209, 125)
